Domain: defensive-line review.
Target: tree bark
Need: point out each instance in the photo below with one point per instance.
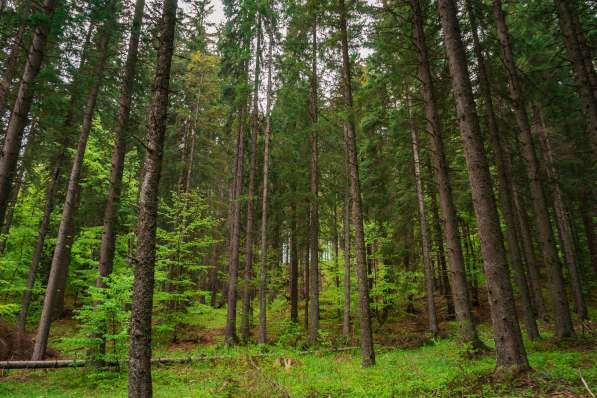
(586, 213)
(425, 240)
(61, 257)
(346, 231)
(22, 104)
(504, 183)
(12, 203)
(563, 322)
(367, 352)
(457, 274)
(140, 333)
(264, 199)
(248, 269)
(562, 218)
(510, 351)
(294, 265)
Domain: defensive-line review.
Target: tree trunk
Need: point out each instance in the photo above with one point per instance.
(10, 67)
(505, 184)
(230, 331)
(12, 203)
(563, 221)
(22, 104)
(510, 351)
(248, 269)
(425, 240)
(314, 200)
(583, 69)
(586, 213)
(457, 274)
(346, 231)
(294, 263)
(367, 353)
(61, 257)
(108, 245)
(563, 322)
(264, 199)
(140, 333)
(306, 285)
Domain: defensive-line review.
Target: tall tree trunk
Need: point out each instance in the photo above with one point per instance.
(140, 334)
(61, 257)
(504, 182)
(230, 331)
(367, 353)
(314, 200)
(563, 322)
(346, 232)
(248, 269)
(40, 242)
(425, 240)
(583, 69)
(294, 263)
(108, 245)
(306, 285)
(586, 213)
(12, 203)
(510, 351)
(10, 68)
(22, 104)
(457, 274)
(563, 221)
(264, 198)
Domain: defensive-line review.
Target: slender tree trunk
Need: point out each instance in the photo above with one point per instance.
(294, 263)
(140, 334)
(586, 214)
(10, 68)
(306, 285)
(22, 104)
(367, 353)
(510, 350)
(457, 274)
(108, 245)
(314, 200)
(60, 259)
(264, 199)
(563, 221)
(563, 322)
(425, 240)
(505, 184)
(12, 203)
(230, 331)
(39, 243)
(346, 231)
(583, 69)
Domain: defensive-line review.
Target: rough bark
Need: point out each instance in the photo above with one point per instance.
(144, 264)
(425, 239)
(60, 259)
(504, 183)
(367, 353)
(346, 232)
(22, 104)
(457, 271)
(563, 322)
(510, 352)
(264, 200)
(562, 218)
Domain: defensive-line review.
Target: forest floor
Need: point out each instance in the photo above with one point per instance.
(405, 368)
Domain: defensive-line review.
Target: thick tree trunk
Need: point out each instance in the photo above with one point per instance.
(22, 104)
(563, 322)
(140, 334)
(248, 268)
(562, 218)
(510, 351)
(39, 243)
(108, 245)
(314, 200)
(61, 257)
(264, 199)
(230, 331)
(457, 274)
(367, 353)
(505, 184)
(425, 239)
(583, 69)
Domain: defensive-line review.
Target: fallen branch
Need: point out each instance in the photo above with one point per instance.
(584, 382)
(79, 363)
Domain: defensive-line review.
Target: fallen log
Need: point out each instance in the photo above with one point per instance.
(80, 363)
